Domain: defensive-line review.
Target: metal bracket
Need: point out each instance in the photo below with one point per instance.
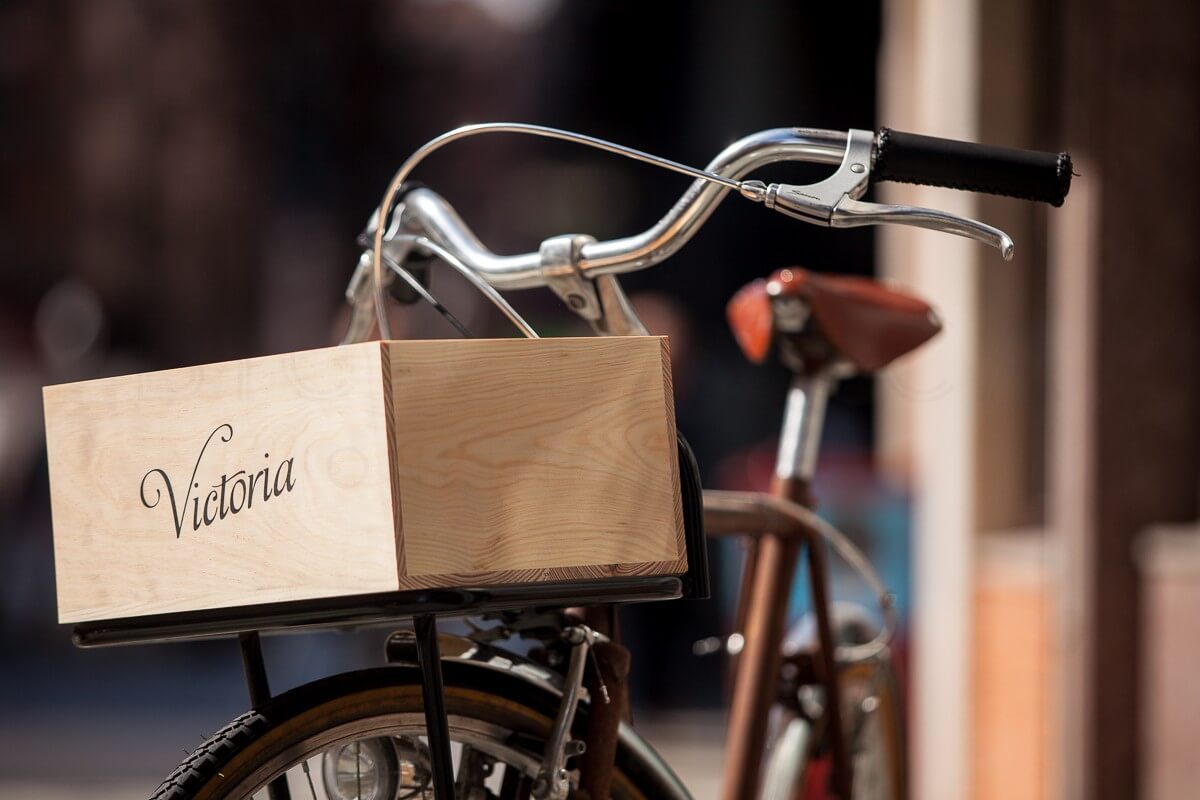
(560, 259)
(816, 202)
(361, 288)
(551, 782)
(616, 314)
(255, 668)
(437, 727)
(360, 291)
(601, 302)
(260, 694)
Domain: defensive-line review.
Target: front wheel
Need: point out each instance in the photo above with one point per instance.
(358, 736)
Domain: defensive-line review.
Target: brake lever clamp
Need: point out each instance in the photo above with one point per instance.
(360, 290)
(600, 301)
(834, 202)
(818, 202)
(559, 257)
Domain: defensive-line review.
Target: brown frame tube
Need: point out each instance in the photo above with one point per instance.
(778, 524)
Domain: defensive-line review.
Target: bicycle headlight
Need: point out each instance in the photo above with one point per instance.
(364, 769)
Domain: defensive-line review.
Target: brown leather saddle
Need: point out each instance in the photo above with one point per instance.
(867, 323)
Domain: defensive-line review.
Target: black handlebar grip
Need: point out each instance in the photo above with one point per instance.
(1027, 174)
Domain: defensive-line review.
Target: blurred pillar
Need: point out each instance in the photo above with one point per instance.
(964, 423)
(929, 83)
(1071, 484)
(1015, 651)
(1131, 112)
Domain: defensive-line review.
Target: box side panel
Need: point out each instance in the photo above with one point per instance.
(385, 363)
(527, 460)
(672, 465)
(230, 484)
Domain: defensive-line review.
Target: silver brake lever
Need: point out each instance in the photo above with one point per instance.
(854, 214)
(834, 202)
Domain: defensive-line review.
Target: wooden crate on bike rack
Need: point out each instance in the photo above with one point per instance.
(361, 469)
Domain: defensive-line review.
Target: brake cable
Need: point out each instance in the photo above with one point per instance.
(751, 189)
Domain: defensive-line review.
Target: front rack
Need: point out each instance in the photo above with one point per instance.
(371, 609)
(423, 606)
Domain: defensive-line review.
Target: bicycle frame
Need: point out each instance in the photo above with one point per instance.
(566, 264)
(582, 272)
(778, 534)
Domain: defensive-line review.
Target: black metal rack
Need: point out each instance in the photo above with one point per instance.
(370, 609)
(422, 606)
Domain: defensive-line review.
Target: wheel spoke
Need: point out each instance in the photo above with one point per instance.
(358, 770)
(308, 774)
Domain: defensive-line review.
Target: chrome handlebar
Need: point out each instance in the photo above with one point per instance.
(579, 268)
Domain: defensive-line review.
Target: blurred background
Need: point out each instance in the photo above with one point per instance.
(182, 182)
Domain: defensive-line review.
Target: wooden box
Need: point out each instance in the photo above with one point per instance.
(361, 469)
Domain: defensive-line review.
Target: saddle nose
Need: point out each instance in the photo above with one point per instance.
(867, 323)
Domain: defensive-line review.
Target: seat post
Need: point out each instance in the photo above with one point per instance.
(803, 420)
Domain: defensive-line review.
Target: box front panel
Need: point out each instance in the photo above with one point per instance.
(530, 460)
(229, 484)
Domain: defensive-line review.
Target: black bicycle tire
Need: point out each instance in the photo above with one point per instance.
(194, 777)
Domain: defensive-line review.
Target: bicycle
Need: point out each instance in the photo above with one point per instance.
(525, 726)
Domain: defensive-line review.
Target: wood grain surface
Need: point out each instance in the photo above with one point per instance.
(524, 460)
(332, 534)
(362, 469)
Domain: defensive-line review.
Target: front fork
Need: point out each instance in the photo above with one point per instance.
(762, 613)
